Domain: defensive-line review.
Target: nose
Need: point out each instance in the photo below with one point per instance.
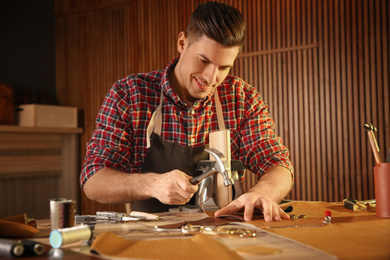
(210, 74)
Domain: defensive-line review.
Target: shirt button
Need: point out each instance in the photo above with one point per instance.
(192, 140)
(192, 112)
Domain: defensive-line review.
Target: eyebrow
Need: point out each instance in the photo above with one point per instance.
(208, 60)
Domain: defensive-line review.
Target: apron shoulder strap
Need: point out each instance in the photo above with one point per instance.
(218, 107)
(155, 122)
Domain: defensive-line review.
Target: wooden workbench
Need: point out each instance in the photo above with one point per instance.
(350, 235)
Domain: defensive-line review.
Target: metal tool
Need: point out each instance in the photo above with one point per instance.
(294, 217)
(106, 217)
(207, 197)
(328, 217)
(296, 226)
(220, 166)
(189, 229)
(354, 205)
(116, 217)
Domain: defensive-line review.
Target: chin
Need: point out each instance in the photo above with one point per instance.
(200, 96)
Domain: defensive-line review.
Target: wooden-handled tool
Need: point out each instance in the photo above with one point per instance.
(374, 145)
(219, 167)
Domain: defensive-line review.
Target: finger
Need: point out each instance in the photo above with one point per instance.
(230, 208)
(181, 197)
(175, 199)
(172, 194)
(183, 182)
(186, 190)
(248, 212)
(283, 214)
(275, 212)
(267, 210)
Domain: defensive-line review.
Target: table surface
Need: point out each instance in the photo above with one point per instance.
(350, 235)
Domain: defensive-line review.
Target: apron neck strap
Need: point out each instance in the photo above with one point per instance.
(218, 107)
(156, 120)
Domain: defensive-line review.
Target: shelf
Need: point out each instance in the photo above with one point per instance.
(25, 129)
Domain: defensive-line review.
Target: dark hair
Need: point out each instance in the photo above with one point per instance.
(218, 21)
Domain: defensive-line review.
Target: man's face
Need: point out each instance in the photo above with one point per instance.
(202, 67)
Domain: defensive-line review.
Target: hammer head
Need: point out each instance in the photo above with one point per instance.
(369, 127)
(221, 166)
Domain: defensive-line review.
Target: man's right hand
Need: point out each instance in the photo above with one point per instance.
(173, 188)
(111, 186)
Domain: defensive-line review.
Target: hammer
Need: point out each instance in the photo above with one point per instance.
(374, 145)
(219, 167)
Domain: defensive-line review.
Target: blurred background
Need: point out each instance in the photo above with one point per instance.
(322, 66)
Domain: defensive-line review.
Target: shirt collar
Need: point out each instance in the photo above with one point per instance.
(168, 90)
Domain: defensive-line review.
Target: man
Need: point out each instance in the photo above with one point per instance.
(153, 127)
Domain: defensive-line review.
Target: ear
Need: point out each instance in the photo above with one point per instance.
(182, 42)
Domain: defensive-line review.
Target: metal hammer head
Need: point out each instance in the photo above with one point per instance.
(369, 127)
(221, 165)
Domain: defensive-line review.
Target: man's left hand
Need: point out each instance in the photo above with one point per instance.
(272, 187)
(249, 201)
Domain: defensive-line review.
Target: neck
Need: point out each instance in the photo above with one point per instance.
(178, 89)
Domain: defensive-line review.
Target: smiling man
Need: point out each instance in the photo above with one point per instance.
(202, 67)
(153, 127)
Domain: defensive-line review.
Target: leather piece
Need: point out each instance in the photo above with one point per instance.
(18, 226)
(10, 229)
(200, 246)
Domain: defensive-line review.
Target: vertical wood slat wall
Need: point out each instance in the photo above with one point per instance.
(322, 66)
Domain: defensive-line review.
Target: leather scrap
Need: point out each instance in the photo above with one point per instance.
(18, 226)
(200, 246)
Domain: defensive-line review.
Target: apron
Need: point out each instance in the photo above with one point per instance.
(164, 156)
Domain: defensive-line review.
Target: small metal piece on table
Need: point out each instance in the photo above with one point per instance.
(294, 217)
(328, 217)
(189, 229)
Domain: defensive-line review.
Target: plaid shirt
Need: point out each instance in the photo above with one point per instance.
(119, 140)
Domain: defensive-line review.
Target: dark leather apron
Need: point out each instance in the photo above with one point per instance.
(164, 156)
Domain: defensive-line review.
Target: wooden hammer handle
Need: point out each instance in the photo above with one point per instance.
(373, 146)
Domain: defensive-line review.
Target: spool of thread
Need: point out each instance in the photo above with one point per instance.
(33, 247)
(61, 213)
(10, 248)
(70, 235)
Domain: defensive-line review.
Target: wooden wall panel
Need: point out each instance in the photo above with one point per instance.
(322, 66)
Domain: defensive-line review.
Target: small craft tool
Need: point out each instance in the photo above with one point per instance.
(297, 226)
(354, 205)
(294, 217)
(104, 217)
(374, 145)
(328, 217)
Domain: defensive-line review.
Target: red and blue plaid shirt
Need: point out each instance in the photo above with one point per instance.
(119, 140)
